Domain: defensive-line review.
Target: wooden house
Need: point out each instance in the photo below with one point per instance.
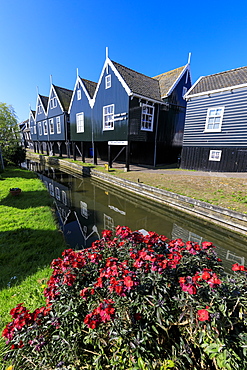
(58, 130)
(215, 135)
(80, 111)
(33, 130)
(139, 115)
(40, 128)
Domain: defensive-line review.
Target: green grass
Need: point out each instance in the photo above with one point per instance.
(29, 240)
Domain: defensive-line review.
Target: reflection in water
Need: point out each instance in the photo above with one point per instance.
(86, 206)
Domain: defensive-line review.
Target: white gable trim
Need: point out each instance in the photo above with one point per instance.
(79, 80)
(186, 68)
(48, 105)
(192, 87)
(108, 63)
(229, 88)
(39, 100)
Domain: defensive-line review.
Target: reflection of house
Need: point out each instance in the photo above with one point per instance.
(215, 135)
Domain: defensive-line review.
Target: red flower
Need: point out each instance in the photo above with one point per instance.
(237, 267)
(203, 315)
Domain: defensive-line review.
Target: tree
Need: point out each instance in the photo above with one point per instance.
(10, 135)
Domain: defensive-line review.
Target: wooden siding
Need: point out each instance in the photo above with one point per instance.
(197, 158)
(234, 124)
(116, 95)
(79, 106)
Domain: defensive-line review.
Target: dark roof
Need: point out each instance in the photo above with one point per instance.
(64, 96)
(44, 100)
(167, 80)
(220, 80)
(33, 113)
(90, 86)
(139, 83)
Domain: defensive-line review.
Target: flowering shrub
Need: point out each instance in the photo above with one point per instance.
(134, 301)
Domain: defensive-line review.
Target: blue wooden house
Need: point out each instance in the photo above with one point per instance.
(215, 135)
(81, 118)
(40, 127)
(33, 130)
(139, 119)
(58, 130)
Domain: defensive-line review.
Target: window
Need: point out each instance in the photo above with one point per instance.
(214, 119)
(79, 94)
(184, 91)
(40, 128)
(147, 117)
(108, 117)
(108, 81)
(51, 124)
(39, 109)
(34, 129)
(53, 102)
(108, 223)
(80, 122)
(57, 193)
(215, 155)
(64, 198)
(58, 123)
(45, 127)
(84, 211)
(51, 189)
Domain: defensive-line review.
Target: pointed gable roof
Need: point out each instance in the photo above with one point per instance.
(90, 86)
(168, 80)
(64, 96)
(44, 101)
(223, 80)
(33, 112)
(139, 83)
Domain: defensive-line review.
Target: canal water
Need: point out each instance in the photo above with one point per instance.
(86, 206)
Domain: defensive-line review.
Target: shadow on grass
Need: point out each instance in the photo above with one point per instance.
(27, 199)
(36, 250)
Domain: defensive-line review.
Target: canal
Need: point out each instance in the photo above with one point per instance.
(86, 206)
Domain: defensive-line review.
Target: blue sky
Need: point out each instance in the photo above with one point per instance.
(39, 39)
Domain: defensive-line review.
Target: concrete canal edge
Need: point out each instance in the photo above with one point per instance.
(228, 219)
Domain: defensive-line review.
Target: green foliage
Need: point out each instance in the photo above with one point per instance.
(135, 302)
(14, 154)
(9, 134)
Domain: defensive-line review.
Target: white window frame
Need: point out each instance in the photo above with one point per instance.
(58, 124)
(53, 102)
(57, 193)
(45, 127)
(108, 117)
(147, 118)
(51, 126)
(64, 197)
(51, 189)
(40, 129)
(107, 81)
(80, 122)
(79, 94)
(34, 130)
(84, 211)
(40, 109)
(215, 116)
(185, 89)
(215, 155)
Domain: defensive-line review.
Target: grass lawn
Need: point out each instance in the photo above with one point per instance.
(29, 240)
